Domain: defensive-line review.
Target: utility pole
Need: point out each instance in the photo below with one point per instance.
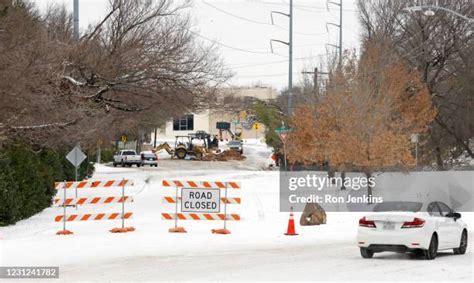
(76, 19)
(315, 78)
(290, 52)
(340, 33)
(315, 74)
(339, 45)
(290, 67)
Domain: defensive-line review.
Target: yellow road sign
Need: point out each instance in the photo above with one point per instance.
(256, 126)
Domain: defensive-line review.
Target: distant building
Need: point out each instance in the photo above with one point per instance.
(206, 120)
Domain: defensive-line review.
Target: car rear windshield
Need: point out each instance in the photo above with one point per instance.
(128, 152)
(149, 155)
(235, 143)
(398, 206)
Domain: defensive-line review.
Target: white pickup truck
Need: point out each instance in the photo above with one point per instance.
(127, 158)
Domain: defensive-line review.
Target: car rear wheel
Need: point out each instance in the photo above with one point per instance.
(463, 245)
(366, 253)
(432, 251)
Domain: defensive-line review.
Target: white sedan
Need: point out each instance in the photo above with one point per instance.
(412, 227)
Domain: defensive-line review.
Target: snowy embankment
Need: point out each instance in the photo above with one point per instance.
(256, 249)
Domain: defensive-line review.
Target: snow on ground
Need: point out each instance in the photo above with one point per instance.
(256, 249)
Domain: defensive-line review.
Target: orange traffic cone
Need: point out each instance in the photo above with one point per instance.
(291, 225)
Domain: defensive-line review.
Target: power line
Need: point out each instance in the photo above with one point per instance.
(258, 22)
(232, 47)
(407, 56)
(234, 15)
(263, 75)
(297, 46)
(272, 62)
(303, 6)
(258, 64)
(346, 25)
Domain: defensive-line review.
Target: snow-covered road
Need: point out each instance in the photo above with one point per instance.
(256, 249)
(325, 260)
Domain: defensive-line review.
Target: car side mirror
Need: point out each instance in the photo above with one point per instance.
(455, 215)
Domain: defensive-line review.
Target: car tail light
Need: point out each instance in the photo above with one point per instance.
(416, 223)
(366, 223)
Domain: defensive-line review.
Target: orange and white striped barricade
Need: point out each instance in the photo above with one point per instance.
(91, 184)
(64, 202)
(200, 200)
(92, 217)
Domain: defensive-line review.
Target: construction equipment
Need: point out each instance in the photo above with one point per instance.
(225, 126)
(164, 146)
(184, 145)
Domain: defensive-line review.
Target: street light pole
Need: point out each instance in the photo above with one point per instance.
(429, 7)
(76, 19)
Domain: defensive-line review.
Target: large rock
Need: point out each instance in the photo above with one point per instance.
(313, 214)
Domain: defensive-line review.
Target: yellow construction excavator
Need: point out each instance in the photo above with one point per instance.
(184, 146)
(225, 127)
(164, 146)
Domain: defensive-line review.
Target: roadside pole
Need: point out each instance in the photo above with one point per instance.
(76, 173)
(416, 155)
(415, 138)
(225, 206)
(256, 135)
(99, 153)
(76, 157)
(283, 135)
(256, 126)
(176, 210)
(123, 203)
(64, 207)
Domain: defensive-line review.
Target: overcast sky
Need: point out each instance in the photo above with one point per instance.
(243, 29)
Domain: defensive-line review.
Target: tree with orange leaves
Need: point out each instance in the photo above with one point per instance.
(364, 122)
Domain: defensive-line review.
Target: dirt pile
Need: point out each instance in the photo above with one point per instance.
(223, 156)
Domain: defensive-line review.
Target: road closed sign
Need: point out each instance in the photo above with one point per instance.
(200, 200)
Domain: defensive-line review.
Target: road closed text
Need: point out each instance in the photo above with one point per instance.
(200, 200)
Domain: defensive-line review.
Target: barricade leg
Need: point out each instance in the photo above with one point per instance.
(176, 229)
(123, 229)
